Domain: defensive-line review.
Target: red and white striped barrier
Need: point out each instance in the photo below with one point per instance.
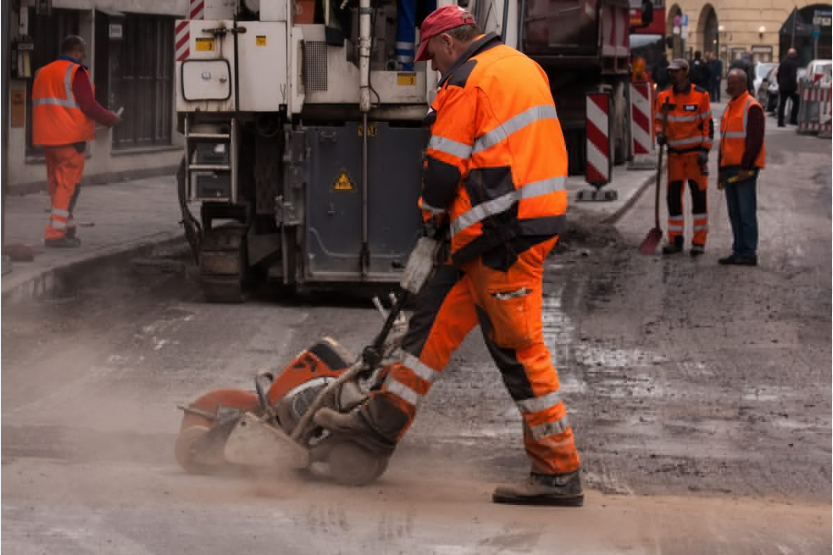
(815, 109)
(641, 118)
(598, 168)
(182, 30)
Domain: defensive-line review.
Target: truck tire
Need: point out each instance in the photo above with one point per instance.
(621, 124)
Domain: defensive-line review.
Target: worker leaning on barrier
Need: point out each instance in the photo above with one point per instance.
(495, 168)
(689, 131)
(64, 113)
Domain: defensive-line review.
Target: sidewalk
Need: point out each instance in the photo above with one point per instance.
(112, 219)
(119, 217)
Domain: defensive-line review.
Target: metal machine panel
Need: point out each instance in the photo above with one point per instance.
(263, 65)
(262, 71)
(333, 239)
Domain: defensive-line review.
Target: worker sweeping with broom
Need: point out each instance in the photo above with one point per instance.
(688, 133)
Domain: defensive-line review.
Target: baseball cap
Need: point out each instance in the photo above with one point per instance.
(678, 63)
(439, 21)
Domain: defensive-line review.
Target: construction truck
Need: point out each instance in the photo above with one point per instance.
(304, 128)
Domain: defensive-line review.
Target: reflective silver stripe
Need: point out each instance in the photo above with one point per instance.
(734, 135)
(539, 403)
(419, 368)
(550, 428)
(704, 227)
(706, 115)
(59, 212)
(428, 208)
(403, 391)
(703, 215)
(57, 225)
(691, 141)
(404, 59)
(676, 218)
(449, 146)
(513, 124)
(405, 46)
(503, 203)
(70, 98)
(684, 118)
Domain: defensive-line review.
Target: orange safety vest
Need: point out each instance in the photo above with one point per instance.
(497, 146)
(56, 117)
(689, 126)
(733, 131)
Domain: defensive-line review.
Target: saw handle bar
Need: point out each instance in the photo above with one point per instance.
(261, 393)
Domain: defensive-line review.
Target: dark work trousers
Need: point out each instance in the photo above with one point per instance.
(742, 202)
(699, 210)
(782, 105)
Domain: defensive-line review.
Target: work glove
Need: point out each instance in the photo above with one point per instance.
(703, 158)
(661, 140)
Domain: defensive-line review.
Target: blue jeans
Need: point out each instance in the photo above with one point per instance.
(742, 202)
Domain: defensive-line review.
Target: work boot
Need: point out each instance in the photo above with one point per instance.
(354, 427)
(697, 250)
(70, 233)
(543, 489)
(738, 260)
(63, 242)
(673, 248)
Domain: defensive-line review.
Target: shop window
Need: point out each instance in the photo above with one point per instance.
(140, 80)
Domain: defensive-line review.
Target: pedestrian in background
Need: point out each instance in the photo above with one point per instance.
(492, 118)
(745, 64)
(689, 131)
(788, 87)
(741, 157)
(659, 74)
(699, 73)
(716, 70)
(64, 114)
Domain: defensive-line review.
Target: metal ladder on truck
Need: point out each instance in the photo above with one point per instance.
(211, 178)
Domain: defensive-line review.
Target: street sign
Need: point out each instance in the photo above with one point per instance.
(685, 20)
(816, 33)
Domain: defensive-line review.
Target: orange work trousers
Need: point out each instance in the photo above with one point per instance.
(507, 305)
(64, 169)
(684, 168)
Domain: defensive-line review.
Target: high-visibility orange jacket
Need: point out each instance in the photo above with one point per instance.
(56, 117)
(733, 132)
(496, 163)
(689, 127)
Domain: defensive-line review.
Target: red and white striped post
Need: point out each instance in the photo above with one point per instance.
(598, 168)
(598, 139)
(641, 122)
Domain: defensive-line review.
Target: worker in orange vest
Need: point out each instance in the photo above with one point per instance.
(64, 113)
(639, 72)
(484, 173)
(685, 113)
(741, 158)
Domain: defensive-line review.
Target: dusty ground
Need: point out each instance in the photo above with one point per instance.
(700, 397)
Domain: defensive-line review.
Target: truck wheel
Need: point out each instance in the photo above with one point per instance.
(621, 124)
(223, 264)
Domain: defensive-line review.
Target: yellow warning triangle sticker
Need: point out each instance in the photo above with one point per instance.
(343, 183)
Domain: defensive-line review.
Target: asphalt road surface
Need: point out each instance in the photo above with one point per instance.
(700, 397)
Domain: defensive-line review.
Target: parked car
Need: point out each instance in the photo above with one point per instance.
(761, 71)
(767, 92)
(820, 71)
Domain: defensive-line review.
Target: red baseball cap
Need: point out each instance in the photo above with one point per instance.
(439, 21)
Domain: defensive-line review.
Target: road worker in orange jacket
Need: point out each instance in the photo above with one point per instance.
(495, 169)
(741, 158)
(685, 111)
(64, 113)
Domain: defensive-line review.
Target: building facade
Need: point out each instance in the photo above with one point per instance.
(766, 28)
(131, 62)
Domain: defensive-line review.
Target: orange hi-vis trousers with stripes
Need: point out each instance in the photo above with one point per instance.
(64, 169)
(684, 168)
(507, 305)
